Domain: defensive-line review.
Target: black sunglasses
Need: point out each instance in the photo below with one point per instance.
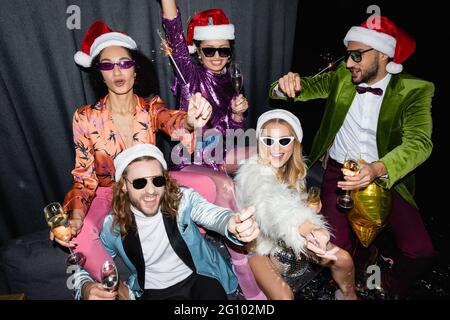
(356, 55)
(123, 64)
(140, 183)
(210, 52)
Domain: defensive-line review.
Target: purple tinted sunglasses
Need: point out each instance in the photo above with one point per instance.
(123, 64)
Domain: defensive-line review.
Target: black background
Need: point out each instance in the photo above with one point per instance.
(321, 27)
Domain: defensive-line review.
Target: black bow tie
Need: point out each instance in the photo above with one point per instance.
(376, 91)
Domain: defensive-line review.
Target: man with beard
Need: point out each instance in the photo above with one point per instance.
(153, 227)
(386, 115)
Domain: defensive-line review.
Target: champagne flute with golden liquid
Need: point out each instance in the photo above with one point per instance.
(58, 221)
(313, 199)
(351, 167)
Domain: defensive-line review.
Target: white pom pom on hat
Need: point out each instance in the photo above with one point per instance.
(98, 37)
(383, 35)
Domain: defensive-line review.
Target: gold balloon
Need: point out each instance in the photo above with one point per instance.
(369, 215)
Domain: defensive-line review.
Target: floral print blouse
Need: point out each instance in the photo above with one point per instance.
(97, 142)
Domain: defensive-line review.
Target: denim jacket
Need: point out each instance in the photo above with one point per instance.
(193, 210)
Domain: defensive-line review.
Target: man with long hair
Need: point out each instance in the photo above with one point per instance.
(153, 228)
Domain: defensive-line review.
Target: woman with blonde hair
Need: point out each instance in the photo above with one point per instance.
(273, 181)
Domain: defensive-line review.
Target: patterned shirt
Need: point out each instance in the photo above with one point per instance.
(97, 142)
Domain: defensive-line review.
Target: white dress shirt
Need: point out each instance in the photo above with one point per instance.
(359, 130)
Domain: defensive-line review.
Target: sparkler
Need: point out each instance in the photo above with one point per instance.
(330, 65)
(167, 50)
(228, 187)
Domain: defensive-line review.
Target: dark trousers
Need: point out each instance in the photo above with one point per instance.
(405, 225)
(194, 287)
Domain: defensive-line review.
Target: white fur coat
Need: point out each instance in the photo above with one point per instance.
(279, 210)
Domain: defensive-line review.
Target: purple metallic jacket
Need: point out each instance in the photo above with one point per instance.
(217, 89)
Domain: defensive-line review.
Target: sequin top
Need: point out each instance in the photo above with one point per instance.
(216, 88)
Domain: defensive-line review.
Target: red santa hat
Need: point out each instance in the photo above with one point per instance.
(98, 37)
(210, 24)
(385, 37)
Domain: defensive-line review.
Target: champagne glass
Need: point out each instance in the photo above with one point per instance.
(313, 199)
(58, 221)
(237, 79)
(351, 167)
(109, 276)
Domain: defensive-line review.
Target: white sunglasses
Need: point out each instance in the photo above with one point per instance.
(282, 141)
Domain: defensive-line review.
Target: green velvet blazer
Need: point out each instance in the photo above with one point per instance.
(404, 123)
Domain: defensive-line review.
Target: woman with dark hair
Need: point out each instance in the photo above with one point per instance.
(102, 130)
(210, 41)
(145, 82)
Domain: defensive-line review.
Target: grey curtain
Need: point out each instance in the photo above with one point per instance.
(41, 86)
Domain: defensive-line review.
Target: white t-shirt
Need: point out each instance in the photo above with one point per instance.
(163, 267)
